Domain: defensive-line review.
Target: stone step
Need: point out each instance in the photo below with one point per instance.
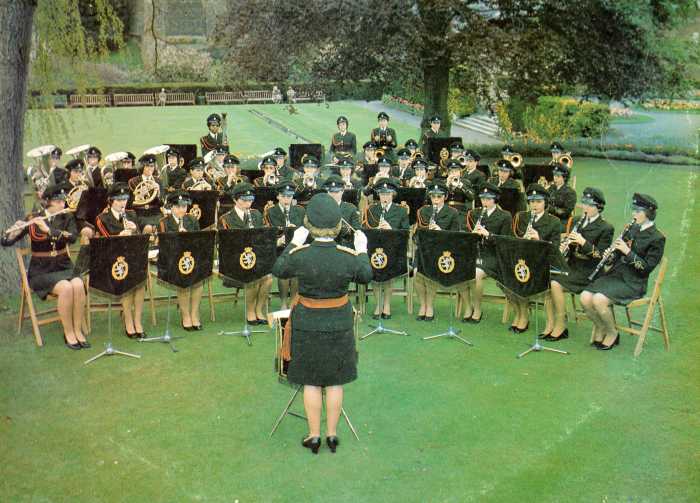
(481, 124)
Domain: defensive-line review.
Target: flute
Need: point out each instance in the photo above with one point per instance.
(19, 227)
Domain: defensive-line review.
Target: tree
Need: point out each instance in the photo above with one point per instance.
(43, 45)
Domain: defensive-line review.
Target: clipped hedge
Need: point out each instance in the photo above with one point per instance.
(556, 117)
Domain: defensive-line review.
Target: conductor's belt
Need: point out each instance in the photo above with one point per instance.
(334, 302)
(53, 253)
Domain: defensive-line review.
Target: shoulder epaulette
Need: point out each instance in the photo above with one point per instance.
(302, 247)
(346, 249)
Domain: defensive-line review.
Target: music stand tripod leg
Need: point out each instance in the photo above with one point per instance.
(285, 411)
(347, 420)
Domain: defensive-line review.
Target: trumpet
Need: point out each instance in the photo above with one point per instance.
(126, 222)
(21, 226)
(454, 183)
(608, 258)
(348, 183)
(309, 181)
(544, 182)
(379, 153)
(417, 182)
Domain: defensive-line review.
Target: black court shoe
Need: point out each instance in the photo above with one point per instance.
(420, 318)
(521, 330)
(197, 328)
(313, 443)
(386, 316)
(186, 329)
(84, 344)
(563, 335)
(544, 335)
(476, 321)
(429, 318)
(71, 346)
(332, 442)
(603, 347)
(376, 316)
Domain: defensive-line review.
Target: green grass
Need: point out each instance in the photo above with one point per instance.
(438, 421)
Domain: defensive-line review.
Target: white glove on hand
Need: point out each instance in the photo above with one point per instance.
(360, 242)
(300, 236)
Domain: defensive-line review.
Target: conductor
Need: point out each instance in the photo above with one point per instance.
(319, 337)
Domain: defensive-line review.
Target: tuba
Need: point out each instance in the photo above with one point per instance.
(145, 192)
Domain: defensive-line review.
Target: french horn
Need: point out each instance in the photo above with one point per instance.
(145, 192)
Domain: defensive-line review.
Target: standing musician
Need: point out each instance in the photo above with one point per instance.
(50, 268)
(534, 224)
(145, 191)
(188, 299)
(319, 337)
(242, 216)
(335, 187)
(196, 179)
(433, 132)
(232, 167)
(633, 257)
(472, 172)
(487, 221)
(412, 146)
(562, 198)
(217, 134)
(93, 172)
(269, 178)
(507, 153)
(384, 136)
(385, 215)
(116, 220)
(345, 171)
(582, 248)
(343, 140)
(436, 216)
(172, 176)
(420, 176)
(403, 171)
(283, 215)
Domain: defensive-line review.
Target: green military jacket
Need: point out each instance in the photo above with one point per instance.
(428, 135)
(274, 216)
(396, 216)
(344, 143)
(168, 224)
(598, 235)
(447, 218)
(231, 220)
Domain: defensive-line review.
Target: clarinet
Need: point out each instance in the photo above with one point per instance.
(381, 217)
(433, 216)
(567, 241)
(608, 253)
(528, 229)
(251, 225)
(481, 217)
(287, 223)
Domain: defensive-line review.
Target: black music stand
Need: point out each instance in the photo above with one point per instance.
(276, 319)
(246, 255)
(118, 264)
(449, 258)
(384, 246)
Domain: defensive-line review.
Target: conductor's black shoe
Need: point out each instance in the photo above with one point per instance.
(332, 442)
(386, 316)
(376, 316)
(313, 443)
(420, 318)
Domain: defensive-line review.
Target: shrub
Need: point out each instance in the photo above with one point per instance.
(460, 104)
(181, 63)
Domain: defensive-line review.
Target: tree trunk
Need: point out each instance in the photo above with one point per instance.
(16, 20)
(436, 85)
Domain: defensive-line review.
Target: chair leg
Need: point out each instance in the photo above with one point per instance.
(645, 328)
(32, 316)
(664, 326)
(629, 316)
(20, 319)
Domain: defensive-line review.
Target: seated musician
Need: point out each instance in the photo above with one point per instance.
(504, 180)
(269, 178)
(472, 172)
(636, 253)
(343, 140)
(557, 150)
(242, 216)
(385, 214)
(403, 171)
(172, 176)
(383, 173)
(420, 176)
(57, 174)
(50, 268)
(284, 170)
(345, 169)
(197, 179)
(412, 146)
(562, 198)
(116, 220)
(215, 168)
(435, 216)
(128, 162)
(309, 182)
(147, 207)
(533, 224)
(285, 214)
(232, 167)
(487, 221)
(76, 183)
(368, 166)
(188, 299)
(507, 154)
(590, 235)
(460, 193)
(335, 187)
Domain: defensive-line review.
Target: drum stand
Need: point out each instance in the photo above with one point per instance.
(166, 337)
(452, 332)
(109, 350)
(246, 332)
(379, 327)
(286, 412)
(537, 346)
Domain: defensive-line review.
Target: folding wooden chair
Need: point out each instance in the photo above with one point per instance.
(26, 305)
(651, 302)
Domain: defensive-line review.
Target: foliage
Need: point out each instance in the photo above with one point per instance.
(675, 105)
(402, 104)
(460, 104)
(178, 63)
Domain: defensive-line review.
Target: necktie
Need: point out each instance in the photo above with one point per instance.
(585, 222)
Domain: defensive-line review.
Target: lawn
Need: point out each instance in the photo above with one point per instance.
(438, 421)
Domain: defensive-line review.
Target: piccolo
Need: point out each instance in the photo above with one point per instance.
(19, 227)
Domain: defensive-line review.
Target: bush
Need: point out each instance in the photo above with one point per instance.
(561, 118)
(460, 104)
(402, 104)
(181, 63)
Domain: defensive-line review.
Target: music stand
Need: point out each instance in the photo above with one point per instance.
(136, 248)
(275, 320)
(451, 333)
(379, 328)
(166, 338)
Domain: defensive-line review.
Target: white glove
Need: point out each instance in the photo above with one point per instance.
(300, 236)
(360, 242)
